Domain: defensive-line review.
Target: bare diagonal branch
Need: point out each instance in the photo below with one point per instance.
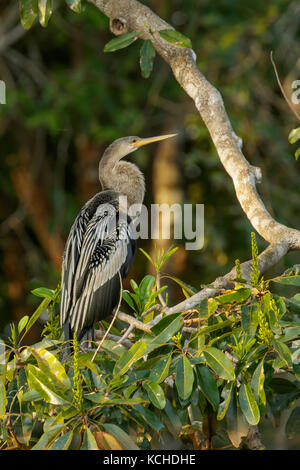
(131, 15)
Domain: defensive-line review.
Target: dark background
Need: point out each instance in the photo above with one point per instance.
(67, 100)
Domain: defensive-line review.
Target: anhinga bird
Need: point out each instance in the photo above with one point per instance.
(100, 247)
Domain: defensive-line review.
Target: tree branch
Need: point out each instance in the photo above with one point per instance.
(130, 15)
(268, 258)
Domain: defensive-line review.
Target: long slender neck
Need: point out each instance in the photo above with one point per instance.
(123, 177)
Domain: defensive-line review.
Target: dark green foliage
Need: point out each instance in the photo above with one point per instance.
(120, 42)
(147, 55)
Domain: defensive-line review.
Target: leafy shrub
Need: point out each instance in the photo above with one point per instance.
(200, 377)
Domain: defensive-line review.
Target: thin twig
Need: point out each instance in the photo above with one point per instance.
(99, 335)
(136, 323)
(125, 336)
(113, 320)
(282, 89)
(189, 329)
(157, 307)
(160, 296)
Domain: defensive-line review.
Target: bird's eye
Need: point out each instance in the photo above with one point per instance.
(133, 141)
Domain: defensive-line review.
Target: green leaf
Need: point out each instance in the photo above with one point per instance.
(283, 352)
(161, 370)
(34, 317)
(39, 381)
(226, 396)
(22, 323)
(147, 256)
(150, 418)
(147, 56)
(44, 292)
(156, 394)
(166, 255)
(172, 419)
(207, 307)
(212, 305)
(146, 287)
(290, 333)
(288, 280)
(120, 42)
(101, 399)
(124, 440)
(129, 358)
(296, 370)
(248, 404)
(281, 306)
(3, 398)
(204, 311)
(294, 135)
(45, 11)
(31, 395)
(249, 319)
(23, 428)
(63, 442)
(89, 441)
(117, 381)
(239, 295)
(208, 386)
(186, 287)
(257, 383)
(184, 378)
(237, 426)
(28, 12)
(175, 37)
(292, 427)
(86, 361)
(114, 349)
(216, 326)
(110, 442)
(297, 154)
(128, 299)
(166, 328)
(75, 5)
(219, 363)
(50, 434)
(53, 369)
(134, 286)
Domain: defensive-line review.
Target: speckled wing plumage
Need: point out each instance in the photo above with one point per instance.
(99, 247)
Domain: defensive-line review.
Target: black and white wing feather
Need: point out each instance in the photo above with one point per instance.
(70, 261)
(104, 247)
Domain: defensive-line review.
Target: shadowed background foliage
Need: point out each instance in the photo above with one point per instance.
(67, 100)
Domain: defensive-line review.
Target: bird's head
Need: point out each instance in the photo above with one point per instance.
(125, 145)
(125, 177)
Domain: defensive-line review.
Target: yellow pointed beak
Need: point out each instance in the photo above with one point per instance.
(150, 140)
